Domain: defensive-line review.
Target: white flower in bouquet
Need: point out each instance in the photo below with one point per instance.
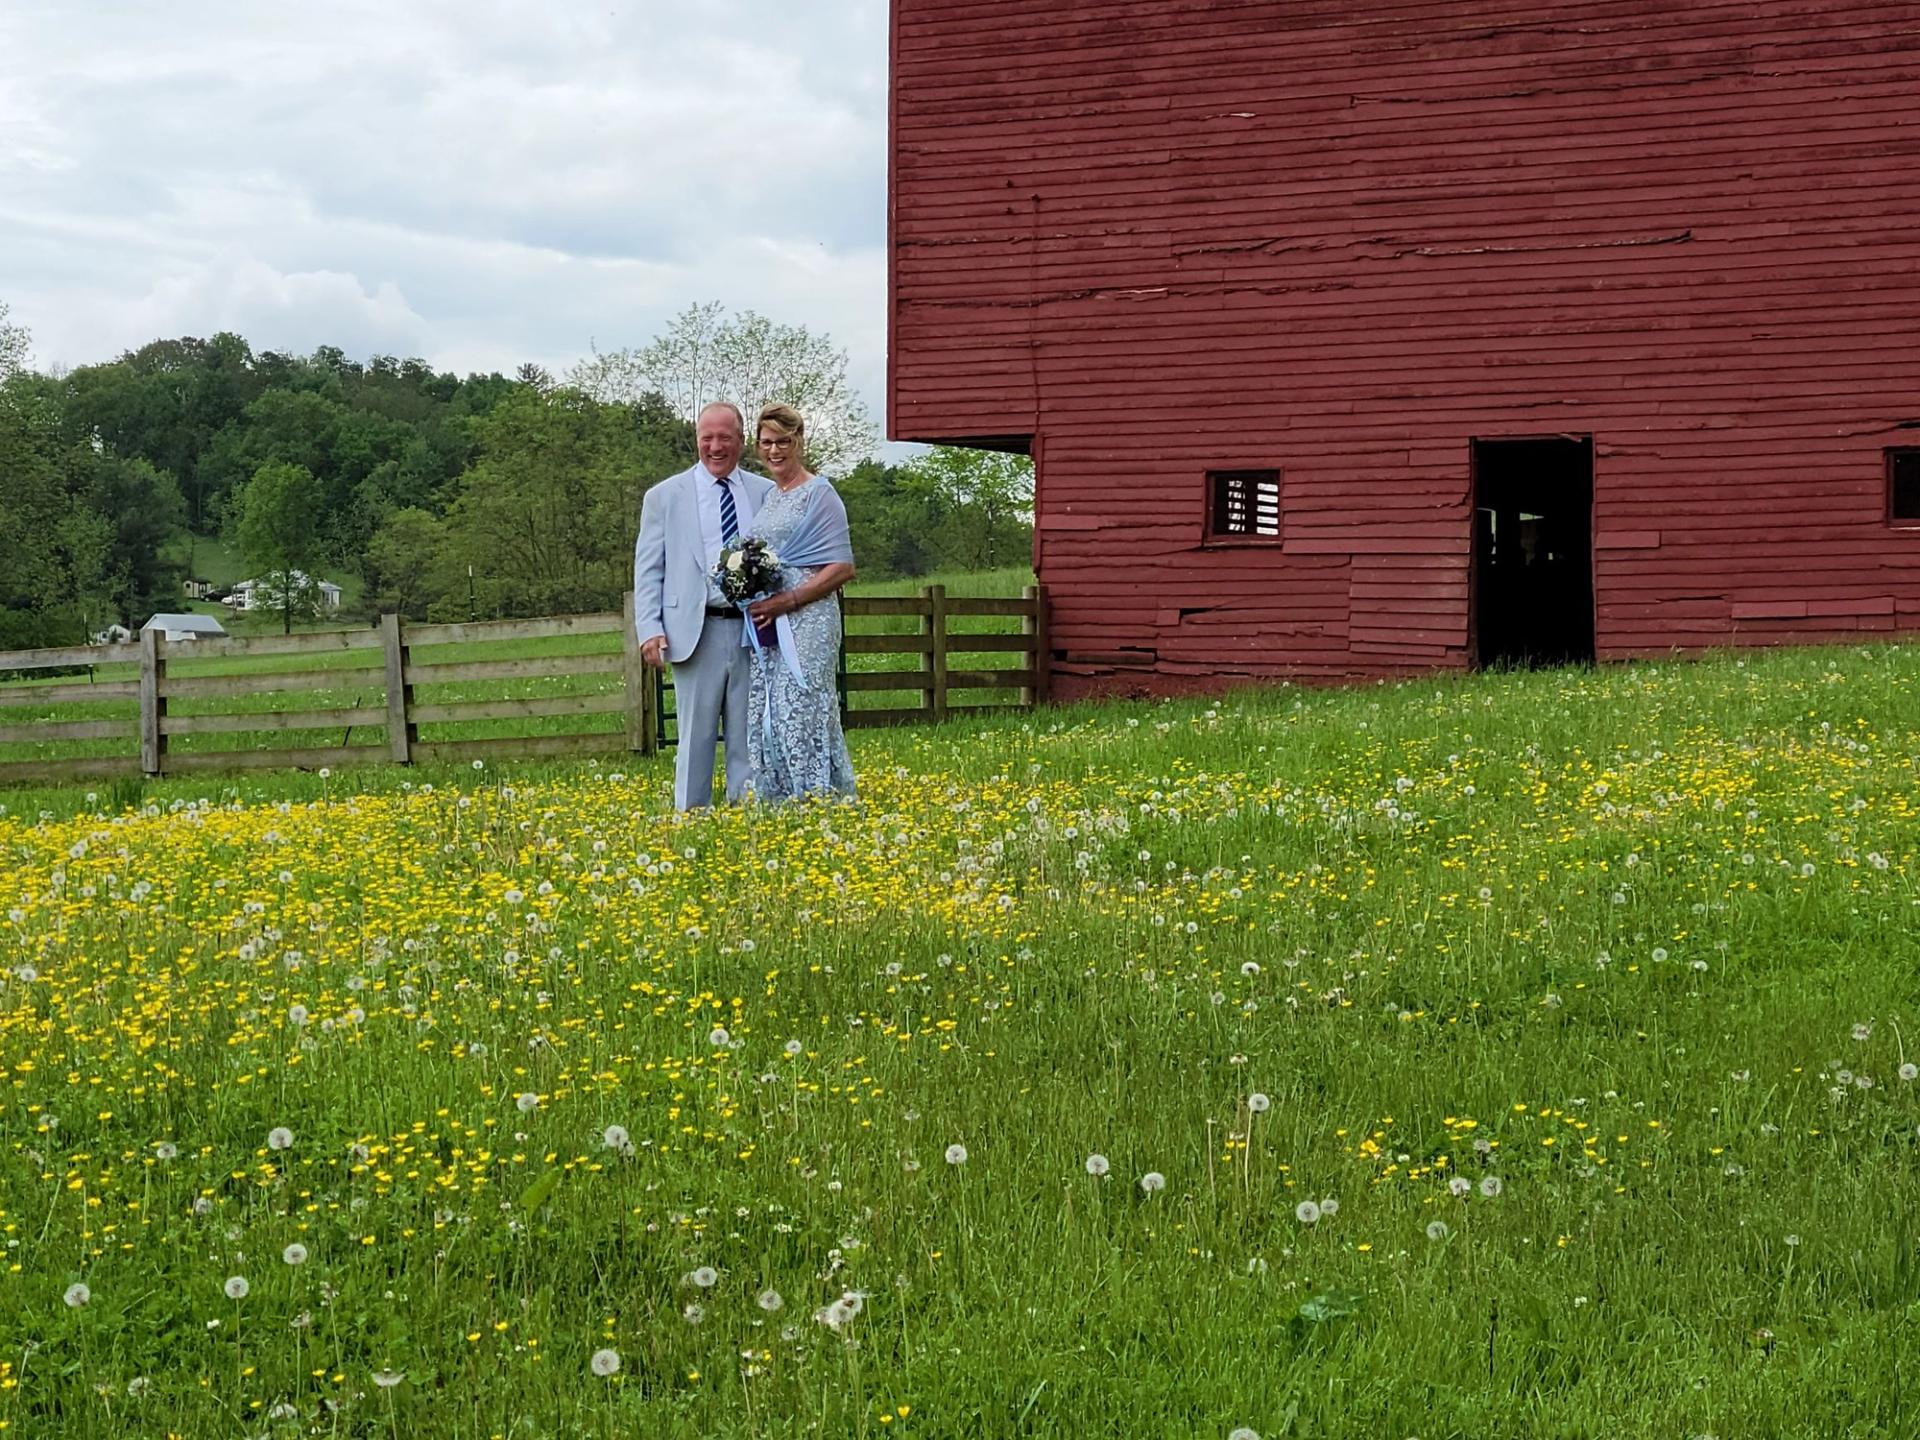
(735, 560)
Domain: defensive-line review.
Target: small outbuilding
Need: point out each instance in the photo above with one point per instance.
(185, 627)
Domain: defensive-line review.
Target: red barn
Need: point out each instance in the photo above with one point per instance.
(1352, 339)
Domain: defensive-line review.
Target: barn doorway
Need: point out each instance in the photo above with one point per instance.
(1533, 551)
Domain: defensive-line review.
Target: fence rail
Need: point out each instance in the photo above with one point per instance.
(364, 684)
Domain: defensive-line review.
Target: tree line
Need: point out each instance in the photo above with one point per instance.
(448, 497)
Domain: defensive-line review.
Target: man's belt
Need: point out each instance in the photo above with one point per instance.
(723, 610)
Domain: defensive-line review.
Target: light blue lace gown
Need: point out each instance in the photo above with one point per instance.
(794, 739)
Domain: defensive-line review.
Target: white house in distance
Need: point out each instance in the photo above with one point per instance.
(185, 627)
(115, 634)
(265, 594)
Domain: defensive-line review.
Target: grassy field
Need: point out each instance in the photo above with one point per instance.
(1523, 1055)
(363, 682)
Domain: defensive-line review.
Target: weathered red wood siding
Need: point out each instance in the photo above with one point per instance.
(1340, 239)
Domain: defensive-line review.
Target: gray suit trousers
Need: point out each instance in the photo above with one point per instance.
(711, 682)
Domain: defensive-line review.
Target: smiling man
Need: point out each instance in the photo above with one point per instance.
(680, 616)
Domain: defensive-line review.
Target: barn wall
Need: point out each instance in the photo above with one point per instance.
(1342, 240)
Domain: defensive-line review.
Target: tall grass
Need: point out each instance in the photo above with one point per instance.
(1629, 952)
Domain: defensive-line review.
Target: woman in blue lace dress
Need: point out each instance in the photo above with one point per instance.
(794, 740)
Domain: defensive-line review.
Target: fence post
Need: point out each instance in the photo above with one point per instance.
(153, 703)
(643, 730)
(400, 736)
(937, 660)
(1033, 624)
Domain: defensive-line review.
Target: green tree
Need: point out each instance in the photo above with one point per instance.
(546, 515)
(401, 563)
(274, 527)
(14, 345)
(163, 404)
(980, 503)
(707, 355)
(53, 546)
(140, 510)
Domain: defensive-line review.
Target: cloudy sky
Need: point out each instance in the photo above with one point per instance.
(480, 182)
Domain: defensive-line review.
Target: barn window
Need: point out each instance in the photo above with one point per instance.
(1244, 504)
(1903, 487)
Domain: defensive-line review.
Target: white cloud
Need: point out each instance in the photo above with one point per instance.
(480, 183)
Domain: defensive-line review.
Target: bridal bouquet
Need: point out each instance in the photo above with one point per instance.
(747, 569)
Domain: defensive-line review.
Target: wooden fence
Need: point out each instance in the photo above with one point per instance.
(366, 681)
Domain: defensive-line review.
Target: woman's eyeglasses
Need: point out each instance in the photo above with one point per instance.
(768, 442)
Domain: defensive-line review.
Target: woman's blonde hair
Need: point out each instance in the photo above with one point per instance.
(785, 421)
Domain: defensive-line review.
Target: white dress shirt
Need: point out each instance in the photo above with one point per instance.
(707, 487)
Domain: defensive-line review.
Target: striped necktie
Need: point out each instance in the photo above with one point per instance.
(729, 517)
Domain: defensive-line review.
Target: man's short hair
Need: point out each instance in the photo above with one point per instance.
(739, 419)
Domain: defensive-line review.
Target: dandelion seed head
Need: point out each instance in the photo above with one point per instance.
(236, 1287)
(605, 1362)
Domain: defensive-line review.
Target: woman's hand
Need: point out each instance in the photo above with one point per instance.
(784, 602)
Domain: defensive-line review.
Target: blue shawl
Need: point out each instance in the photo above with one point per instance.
(820, 538)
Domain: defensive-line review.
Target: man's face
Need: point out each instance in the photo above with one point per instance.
(721, 441)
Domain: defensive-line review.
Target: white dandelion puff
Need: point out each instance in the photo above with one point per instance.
(1437, 1230)
(1306, 1212)
(614, 1137)
(388, 1378)
(1491, 1186)
(280, 1138)
(1153, 1182)
(1259, 1104)
(1097, 1165)
(769, 1300)
(956, 1154)
(166, 1150)
(718, 1036)
(605, 1362)
(76, 1296)
(527, 1102)
(703, 1277)
(236, 1287)
(295, 1254)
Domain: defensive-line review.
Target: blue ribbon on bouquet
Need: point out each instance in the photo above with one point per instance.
(783, 636)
